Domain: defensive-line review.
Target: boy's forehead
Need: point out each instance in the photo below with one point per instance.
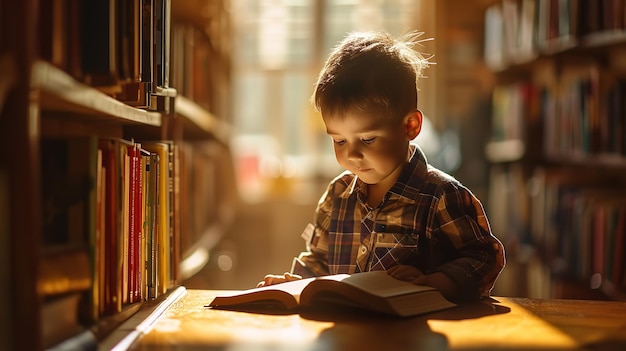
(356, 122)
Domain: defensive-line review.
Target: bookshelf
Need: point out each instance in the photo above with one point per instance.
(91, 235)
(558, 147)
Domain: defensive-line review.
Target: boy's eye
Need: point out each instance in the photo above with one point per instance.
(368, 140)
(339, 142)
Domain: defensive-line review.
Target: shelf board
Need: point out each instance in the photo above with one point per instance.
(604, 38)
(563, 46)
(61, 92)
(505, 151)
(140, 322)
(602, 160)
(200, 121)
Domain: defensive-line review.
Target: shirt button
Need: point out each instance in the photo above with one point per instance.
(363, 249)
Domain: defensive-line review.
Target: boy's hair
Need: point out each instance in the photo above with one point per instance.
(370, 72)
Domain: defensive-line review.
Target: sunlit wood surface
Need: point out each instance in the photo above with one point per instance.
(500, 324)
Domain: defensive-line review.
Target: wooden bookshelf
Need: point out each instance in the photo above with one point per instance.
(61, 92)
(50, 102)
(558, 152)
(200, 123)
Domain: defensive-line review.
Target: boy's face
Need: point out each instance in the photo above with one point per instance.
(373, 147)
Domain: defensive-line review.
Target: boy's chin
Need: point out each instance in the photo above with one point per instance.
(367, 178)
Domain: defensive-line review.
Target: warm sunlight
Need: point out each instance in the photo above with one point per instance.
(537, 331)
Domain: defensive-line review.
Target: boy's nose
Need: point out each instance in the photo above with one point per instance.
(354, 152)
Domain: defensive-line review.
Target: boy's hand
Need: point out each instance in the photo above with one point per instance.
(407, 273)
(437, 280)
(272, 279)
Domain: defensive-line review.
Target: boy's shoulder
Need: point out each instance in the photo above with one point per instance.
(441, 184)
(435, 175)
(420, 173)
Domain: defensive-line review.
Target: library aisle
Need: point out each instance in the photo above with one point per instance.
(263, 239)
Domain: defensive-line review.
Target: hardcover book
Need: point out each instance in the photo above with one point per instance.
(375, 291)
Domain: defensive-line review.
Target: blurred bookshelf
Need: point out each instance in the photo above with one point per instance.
(558, 147)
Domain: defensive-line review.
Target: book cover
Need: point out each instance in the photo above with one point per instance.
(115, 216)
(163, 203)
(151, 224)
(374, 291)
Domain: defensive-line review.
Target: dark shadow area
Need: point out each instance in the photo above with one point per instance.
(343, 313)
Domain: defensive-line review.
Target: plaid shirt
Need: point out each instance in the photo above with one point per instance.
(427, 219)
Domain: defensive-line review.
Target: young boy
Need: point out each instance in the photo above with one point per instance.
(390, 210)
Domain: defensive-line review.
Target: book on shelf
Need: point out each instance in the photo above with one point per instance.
(194, 64)
(164, 235)
(151, 222)
(59, 31)
(135, 59)
(494, 52)
(69, 168)
(112, 161)
(374, 291)
(99, 44)
(162, 25)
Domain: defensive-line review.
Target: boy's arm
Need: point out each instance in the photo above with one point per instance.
(480, 254)
(314, 261)
(308, 265)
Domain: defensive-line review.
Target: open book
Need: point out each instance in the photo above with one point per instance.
(375, 291)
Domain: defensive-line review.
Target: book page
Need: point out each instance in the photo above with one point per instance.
(293, 288)
(378, 283)
(286, 294)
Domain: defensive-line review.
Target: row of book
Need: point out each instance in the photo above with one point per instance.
(207, 201)
(581, 112)
(582, 228)
(518, 30)
(511, 107)
(194, 64)
(110, 230)
(121, 47)
(586, 113)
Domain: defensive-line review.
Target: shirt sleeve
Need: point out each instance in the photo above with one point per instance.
(479, 254)
(314, 261)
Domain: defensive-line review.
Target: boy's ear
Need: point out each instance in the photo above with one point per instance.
(413, 123)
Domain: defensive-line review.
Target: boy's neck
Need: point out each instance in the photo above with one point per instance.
(375, 194)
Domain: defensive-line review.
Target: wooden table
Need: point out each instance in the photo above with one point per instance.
(499, 324)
